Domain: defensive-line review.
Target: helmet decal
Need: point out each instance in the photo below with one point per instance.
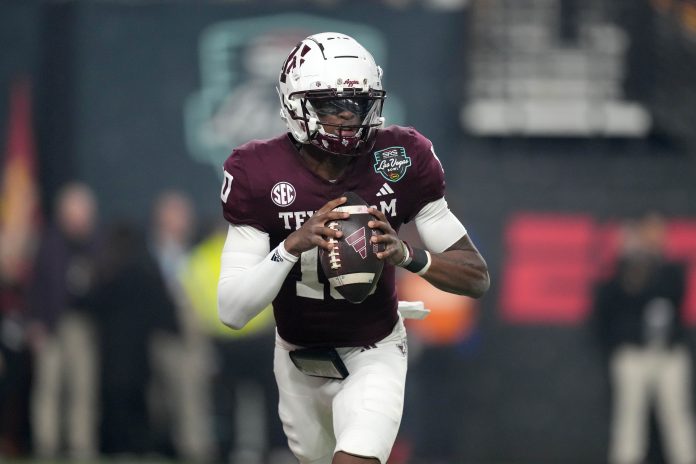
(291, 63)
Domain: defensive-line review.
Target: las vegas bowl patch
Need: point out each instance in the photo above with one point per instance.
(392, 163)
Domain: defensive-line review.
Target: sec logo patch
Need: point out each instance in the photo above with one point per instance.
(283, 194)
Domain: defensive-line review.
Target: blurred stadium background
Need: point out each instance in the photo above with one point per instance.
(555, 120)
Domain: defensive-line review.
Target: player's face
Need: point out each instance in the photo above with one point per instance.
(342, 112)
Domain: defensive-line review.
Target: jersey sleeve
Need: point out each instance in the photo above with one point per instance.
(430, 176)
(237, 194)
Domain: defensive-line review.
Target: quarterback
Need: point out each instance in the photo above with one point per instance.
(340, 367)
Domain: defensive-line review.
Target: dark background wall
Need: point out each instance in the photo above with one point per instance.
(111, 83)
(116, 76)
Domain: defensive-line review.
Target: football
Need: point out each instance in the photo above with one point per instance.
(352, 267)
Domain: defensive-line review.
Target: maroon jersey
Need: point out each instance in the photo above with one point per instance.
(267, 186)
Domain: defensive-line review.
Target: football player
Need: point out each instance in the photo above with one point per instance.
(340, 367)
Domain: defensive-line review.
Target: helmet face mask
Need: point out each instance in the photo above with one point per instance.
(359, 106)
(331, 94)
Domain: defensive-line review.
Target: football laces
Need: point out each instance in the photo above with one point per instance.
(334, 256)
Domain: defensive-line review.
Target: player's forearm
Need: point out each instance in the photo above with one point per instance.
(453, 264)
(462, 272)
(247, 286)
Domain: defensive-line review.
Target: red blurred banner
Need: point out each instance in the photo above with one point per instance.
(553, 261)
(19, 211)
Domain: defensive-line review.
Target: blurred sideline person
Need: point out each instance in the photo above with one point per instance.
(345, 406)
(15, 357)
(641, 328)
(62, 330)
(246, 426)
(180, 387)
(133, 304)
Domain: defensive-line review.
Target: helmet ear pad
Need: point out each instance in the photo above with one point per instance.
(312, 125)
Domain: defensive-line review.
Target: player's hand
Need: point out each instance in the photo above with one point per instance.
(314, 232)
(394, 249)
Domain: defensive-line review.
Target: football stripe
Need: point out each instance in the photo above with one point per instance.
(355, 278)
(352, 209)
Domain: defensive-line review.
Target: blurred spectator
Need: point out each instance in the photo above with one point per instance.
(62, 328)
(181, 361)
(132, 303)
(638, 316)
(247, 428)
(15, 365)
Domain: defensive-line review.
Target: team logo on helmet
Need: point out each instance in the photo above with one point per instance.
(291, 62)
(392, 163)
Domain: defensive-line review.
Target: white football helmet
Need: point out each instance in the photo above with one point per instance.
(327, 74)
